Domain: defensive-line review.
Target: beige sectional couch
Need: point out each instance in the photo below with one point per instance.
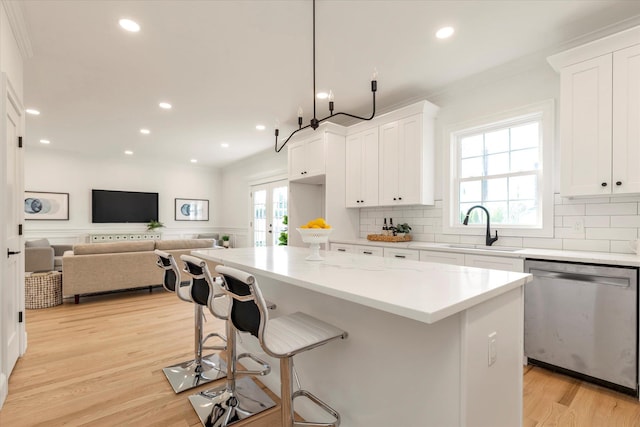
(102, 267)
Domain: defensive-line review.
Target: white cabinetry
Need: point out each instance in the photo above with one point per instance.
(362, 169)
(357, 249)
(473, 260)
(600, 116)
(406, 163)
(402, 253)
(307, 158)
(453, 258)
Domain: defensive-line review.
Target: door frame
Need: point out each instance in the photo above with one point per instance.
(262, 181)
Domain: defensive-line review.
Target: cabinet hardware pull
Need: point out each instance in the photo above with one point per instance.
(10, 252)
(618, 182)
(367, 253)
(394, 198)
(399, 198)
(400, 256)
(604, 184)
(342, 250)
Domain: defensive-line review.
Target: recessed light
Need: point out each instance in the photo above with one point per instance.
(445, 32)
(322, 95)
(145, 131)
(128, 152)
(165, 105)
(129, 25)
(194, 160)
(32, 112)
(45, 141)
(224, 145)
(260, 127)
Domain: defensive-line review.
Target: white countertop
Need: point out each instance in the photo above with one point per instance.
(608, 258)
(423, 291)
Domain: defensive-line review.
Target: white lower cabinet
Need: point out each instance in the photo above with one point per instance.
(442, 257)
(473, 260)
(357, 249)
(402, 253)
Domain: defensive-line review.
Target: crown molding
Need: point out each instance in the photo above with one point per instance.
(15, 15)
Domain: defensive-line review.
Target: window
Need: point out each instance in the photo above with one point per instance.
(504, 164)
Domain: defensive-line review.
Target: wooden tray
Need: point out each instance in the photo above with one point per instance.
(383, 238)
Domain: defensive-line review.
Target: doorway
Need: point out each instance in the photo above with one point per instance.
(269, 204)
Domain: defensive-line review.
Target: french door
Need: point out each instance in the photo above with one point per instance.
(269, 207)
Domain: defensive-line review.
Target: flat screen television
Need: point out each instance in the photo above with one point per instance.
(123, 206)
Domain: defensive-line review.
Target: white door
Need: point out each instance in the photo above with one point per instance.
(12, 330)
(269, 207)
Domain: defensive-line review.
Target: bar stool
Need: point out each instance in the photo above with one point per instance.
(201, 369)
(238, 398)
(282, 337)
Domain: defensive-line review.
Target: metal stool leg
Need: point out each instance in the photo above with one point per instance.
(237, 400)
(200, 370)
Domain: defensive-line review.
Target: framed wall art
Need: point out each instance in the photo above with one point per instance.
(46, 206)
(192, 210)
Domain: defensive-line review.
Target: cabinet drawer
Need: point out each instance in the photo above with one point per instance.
(495, 262)
(338, 247)
(442, 257)
(368, 250)
(401, 253)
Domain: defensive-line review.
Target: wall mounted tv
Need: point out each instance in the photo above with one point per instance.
(123, 206)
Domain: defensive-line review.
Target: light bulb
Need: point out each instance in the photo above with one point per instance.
(299, 111)
(375, 74)
(330, 96)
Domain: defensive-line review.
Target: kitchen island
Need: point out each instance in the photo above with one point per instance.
(429, 344)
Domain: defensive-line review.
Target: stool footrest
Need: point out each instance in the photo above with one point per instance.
(322, 405)
(214, 347)
(266, 368)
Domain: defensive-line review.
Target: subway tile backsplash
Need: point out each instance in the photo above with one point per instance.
(609, 224)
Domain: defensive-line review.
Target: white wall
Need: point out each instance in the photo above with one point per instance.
(55, 171)
(238, 177)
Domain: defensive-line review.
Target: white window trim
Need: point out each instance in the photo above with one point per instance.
(449, 224)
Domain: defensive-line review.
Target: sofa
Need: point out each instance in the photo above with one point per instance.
(102, 267)
(41, 256)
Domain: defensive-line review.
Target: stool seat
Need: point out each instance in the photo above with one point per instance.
(289, 335)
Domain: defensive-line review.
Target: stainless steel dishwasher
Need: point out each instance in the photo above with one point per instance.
(582, 320)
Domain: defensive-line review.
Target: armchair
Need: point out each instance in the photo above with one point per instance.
(40, 255)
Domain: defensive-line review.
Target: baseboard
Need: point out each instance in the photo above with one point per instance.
(4, 389)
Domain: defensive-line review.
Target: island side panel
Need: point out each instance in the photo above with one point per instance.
(390, 371)
(492, 371)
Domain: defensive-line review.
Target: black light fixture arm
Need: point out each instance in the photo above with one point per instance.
(315, 122)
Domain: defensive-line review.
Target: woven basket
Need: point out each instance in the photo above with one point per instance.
(383, 238)
(43, 290)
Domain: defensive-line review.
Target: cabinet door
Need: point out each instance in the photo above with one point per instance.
(315, 156)
(626, 120)
(362, 169)
(586, 127)
(410, 160)
(442, 257)
(402, 253)
(389, 163)
(296, 161)
(307, 158)
(494, 262)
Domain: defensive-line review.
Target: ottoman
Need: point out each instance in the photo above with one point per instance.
(42, 290)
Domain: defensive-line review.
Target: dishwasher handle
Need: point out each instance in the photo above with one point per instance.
(577, 277)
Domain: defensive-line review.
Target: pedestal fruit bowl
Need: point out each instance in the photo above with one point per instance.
(314, 233)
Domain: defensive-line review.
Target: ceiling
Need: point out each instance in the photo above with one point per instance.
(226, 66)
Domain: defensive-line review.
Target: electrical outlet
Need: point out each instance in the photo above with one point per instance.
(578, 226)
(492, 348)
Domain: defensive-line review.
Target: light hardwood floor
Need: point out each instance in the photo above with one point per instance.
(100, 363)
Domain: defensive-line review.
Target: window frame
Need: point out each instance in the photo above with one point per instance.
(542, 111)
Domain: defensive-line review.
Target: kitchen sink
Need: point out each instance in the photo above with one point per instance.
(482, 247)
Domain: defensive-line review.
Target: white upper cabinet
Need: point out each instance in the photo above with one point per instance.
(307, 158)
(406, 163)
(600, 116)
(362, 169)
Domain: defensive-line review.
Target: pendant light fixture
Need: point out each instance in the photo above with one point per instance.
(315, 122)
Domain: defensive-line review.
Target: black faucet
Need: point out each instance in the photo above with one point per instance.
(489, 240)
